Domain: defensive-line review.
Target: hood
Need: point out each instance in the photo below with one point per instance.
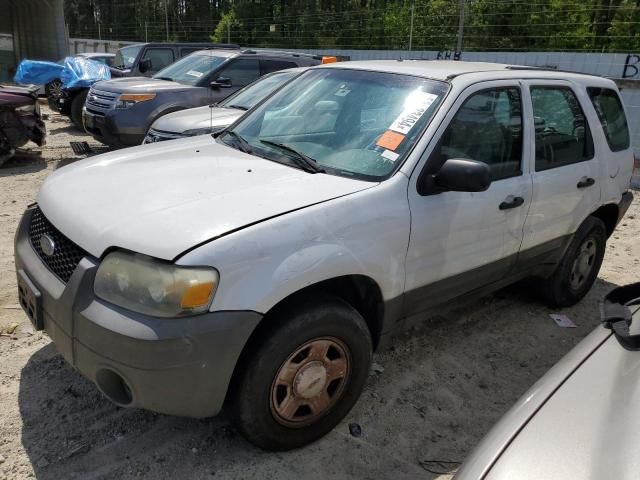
(140, 85)
(200, 117)
(588, 428)
(162, 199)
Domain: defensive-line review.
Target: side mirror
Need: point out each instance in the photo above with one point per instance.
(145, 65)
(221, 82)
(461, 175)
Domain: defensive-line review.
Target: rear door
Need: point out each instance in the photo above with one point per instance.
(566, 180)
(241, 72)
(270, 66)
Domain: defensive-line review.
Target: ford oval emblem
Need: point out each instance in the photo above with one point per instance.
(47, 245)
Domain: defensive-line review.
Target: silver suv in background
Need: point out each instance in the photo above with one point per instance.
(261, 268)
(214, 118)
(119, 112)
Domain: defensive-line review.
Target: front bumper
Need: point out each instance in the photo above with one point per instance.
(179, 366)
(116, 128)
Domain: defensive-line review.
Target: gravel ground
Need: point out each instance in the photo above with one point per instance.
(429, 400)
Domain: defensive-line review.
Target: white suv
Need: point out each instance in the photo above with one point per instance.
(260, 269)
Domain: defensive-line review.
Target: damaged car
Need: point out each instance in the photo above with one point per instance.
(20, 119)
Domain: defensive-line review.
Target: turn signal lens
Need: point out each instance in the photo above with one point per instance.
(137, 97)
(197, 296)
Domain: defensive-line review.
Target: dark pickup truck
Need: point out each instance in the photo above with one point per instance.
(119, 112)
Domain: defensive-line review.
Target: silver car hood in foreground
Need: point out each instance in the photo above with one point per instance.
(581, 421)
(199, 117)
(165, 198)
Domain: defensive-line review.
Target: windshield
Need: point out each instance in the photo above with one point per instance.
(350, 122)
(126, 56)
(191, 69)
(254, 93)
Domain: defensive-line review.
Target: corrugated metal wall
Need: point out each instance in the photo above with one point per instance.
(38, 31)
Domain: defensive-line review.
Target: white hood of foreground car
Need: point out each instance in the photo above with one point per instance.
(165, 198)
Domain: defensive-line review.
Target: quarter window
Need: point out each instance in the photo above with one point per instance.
(562, 131)
(269, 66)
(611, 115)
(487, 128)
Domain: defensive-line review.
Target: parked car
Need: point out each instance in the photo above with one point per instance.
(214, 118)
(579, 421)
(53, 89)
(260, 269)
(147, 59)
(20, 120)
(119, 112)
(142, 59)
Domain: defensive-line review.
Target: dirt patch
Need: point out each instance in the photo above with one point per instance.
(429, 399)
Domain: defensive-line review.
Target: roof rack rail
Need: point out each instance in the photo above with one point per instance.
(283, 52)
(549, 69)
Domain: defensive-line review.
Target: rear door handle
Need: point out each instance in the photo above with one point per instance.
(585, 182)
(511, 202)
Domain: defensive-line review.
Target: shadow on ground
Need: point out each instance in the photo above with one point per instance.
(23, 163)
(440, 389)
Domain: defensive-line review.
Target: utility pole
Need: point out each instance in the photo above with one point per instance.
(146, 31)
(413, 7)
(166, 17)
(228, 32)
(460, 26)
(99, 32)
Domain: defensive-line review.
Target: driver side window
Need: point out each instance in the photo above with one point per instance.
(242, 72)
(487, 128)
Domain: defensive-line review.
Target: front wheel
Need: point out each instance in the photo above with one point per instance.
(579, 267)
(304, 376)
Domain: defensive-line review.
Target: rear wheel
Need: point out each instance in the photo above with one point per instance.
(579, 267)
(76, 108)
(304, 376)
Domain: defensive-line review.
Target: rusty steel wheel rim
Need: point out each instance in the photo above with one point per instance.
(310, 382)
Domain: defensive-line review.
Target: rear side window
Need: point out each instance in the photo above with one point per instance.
(562, 132)
(269, 66)
(611, 115)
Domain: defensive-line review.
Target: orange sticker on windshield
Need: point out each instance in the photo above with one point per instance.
(390, 140)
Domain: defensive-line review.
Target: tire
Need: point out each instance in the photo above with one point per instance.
(53, 91)
(579, 267)
(277, 414)
(76, 109)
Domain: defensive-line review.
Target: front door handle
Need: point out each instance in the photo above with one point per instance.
(511, 202)
(585, 182)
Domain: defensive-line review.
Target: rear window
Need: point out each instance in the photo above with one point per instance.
(611, 115)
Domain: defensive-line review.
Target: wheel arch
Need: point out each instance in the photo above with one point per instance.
(609, 215)
(360, 291)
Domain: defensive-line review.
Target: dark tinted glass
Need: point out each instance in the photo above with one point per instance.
(487, 128)
(611, 115)
(562, 130)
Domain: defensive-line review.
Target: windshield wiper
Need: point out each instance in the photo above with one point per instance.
(305, 162)
(243, 145)
(169, 79)
(239, 107)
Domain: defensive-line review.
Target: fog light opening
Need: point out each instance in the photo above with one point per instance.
(114, 387)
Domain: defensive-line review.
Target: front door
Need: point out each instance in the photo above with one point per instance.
(459, 240)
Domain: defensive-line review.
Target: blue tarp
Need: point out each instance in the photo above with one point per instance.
(77, 72)
(36, 72)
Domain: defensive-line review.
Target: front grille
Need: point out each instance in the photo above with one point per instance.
(66, 254)
(154, 136)
(99, 101)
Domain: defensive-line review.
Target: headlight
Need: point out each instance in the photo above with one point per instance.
(197, 131)
(128, 100)
(152, 287)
